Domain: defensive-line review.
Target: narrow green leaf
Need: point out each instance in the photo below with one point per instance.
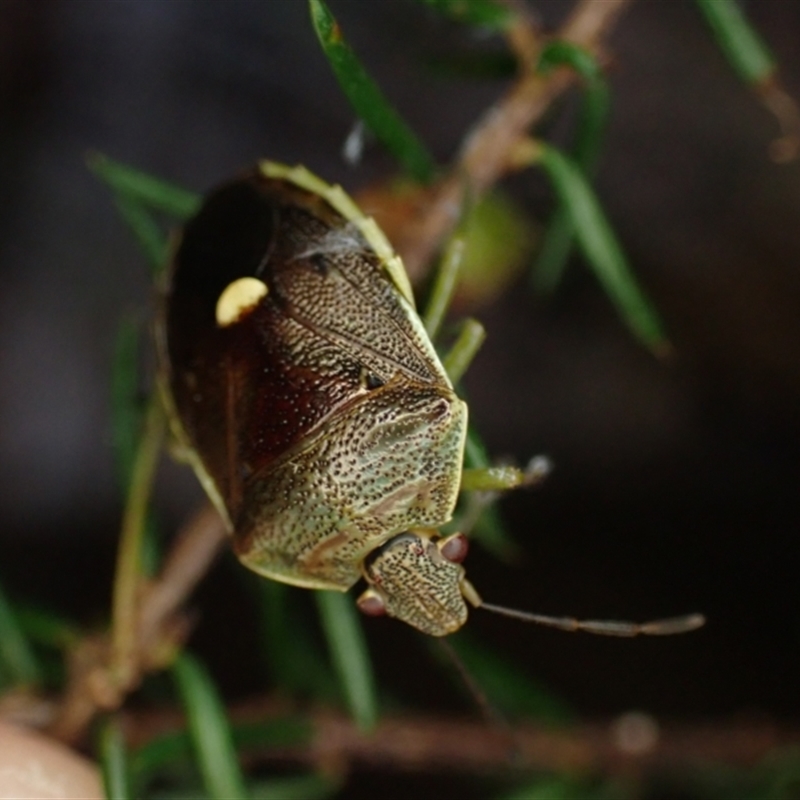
(17, 659)
(278, 732)
(556, 244)
(479, 515)
(484, 13)
(444, 286)
(160, 752)
(466, 347)
(492, 479)
(294, 656)
(506, 686)
(472, 66)
(127, 419)
(302, 787)
(209, 729)
(550, 788)
(127, 411)
(367, 99)
(145, 189)
(601, 249)
(130, 561)
(348, 649)
(739, 41)
(147, 231)
(170, 749)
(46, 628)
(114, 761)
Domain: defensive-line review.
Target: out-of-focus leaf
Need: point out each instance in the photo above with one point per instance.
(211, 736)
(752, 60)
(46, 628)
(147, 231)
(137, 195)
(297, 663)
(367, 99)
(485, 525)
(167, 749)
(601, 249)
(443, 286)
(459, 357)
(172, 748)
(557, 241)
(473, 66)
(17, 661)
(506, 686)
(127, 417)
(566, 787)
(483, 13)
(739, 41)
(126, 410)
(114, 761)
(302, 787)
(498, 239)
(145, 189)
(348, 649)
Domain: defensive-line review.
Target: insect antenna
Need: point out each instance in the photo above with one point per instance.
(490, 713)
(606, 627)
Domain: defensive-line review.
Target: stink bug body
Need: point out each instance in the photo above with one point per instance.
(311, 403)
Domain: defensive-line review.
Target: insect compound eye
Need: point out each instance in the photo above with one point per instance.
(454, 548)
(371, 604)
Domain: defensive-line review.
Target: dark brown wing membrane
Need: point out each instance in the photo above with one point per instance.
(330, 329)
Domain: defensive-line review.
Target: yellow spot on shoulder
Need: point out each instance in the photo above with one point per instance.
(238, 299)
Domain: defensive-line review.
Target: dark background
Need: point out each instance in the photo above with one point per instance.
(676, 484)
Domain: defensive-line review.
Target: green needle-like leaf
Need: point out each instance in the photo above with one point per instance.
(367, 99)
(482, 13)
(114, 761)
(481, 517)
(741, 44)
(348, 649)
(17, 661)
(43, 627)
(147, 231)
(297, 663)
(465, 348)
(558, 239)
(601, 249)
(127, 419)
(303, 787)
(209, 729)
(148, 190)
(126, 410)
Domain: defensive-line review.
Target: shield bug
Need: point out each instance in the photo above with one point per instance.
(312, 405)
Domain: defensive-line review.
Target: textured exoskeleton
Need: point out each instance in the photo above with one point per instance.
(309, 398)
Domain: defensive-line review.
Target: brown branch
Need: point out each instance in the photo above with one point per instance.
(440, 744)
(95, 682)
(486, 154)
(632, 744)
